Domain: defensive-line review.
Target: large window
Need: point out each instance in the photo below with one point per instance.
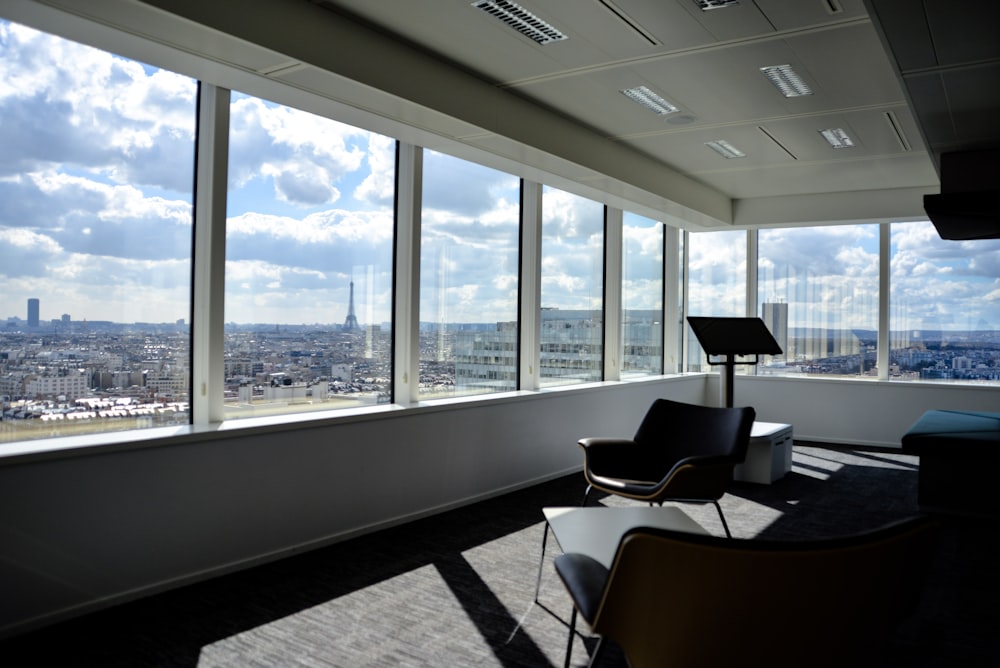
(308, 262)
(572, 316)
(642, 296)
(96, 173)
(468, 278)
(818, 292)
(945, 307)
(717, 284)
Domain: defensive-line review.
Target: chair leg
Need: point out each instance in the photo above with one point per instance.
(586, 495)
(569, 643)
(723, 518)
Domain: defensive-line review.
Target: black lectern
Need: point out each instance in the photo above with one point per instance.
(732, 338)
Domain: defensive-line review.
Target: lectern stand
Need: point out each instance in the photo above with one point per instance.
(730, 338)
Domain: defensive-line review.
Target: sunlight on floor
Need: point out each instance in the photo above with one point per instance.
(418, 605)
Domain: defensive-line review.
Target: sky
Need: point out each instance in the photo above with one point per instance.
(96, 174)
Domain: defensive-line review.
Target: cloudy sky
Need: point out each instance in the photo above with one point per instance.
(95, 220)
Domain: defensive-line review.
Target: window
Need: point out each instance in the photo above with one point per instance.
(572, 317)
(818, 290)
(716, 283)
(468, 278)
(96, 175)
(309, 234)
(642, 296)
(945, 310)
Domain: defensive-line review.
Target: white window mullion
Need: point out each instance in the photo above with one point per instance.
(406, 314)
(751, 309)
(209, 274)
(613, 241)
(671, 296)
(530, 282)
(685, 304)
(884, 263)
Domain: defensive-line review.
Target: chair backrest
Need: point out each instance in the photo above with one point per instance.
(678, 430)
(687, 600)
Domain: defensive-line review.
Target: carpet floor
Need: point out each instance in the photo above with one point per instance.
(456, 589)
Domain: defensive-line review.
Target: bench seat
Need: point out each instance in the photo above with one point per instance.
(958, 451)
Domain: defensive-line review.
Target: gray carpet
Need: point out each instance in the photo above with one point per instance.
(456, 589)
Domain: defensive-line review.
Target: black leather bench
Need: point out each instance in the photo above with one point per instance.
(959, 452)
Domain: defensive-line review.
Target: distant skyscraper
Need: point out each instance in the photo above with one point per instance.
(352, 320)
(33, 312)
(775, 316)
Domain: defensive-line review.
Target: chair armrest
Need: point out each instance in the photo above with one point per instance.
(603, 442)
(616, 458)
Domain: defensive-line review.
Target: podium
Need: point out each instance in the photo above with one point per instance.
(730, 338)
(769, 455)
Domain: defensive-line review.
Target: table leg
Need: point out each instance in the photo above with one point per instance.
(541, 560)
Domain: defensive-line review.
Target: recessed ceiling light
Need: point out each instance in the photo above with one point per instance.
(787, 81)
(837, 138)
(725, 149)
(705, 5)
(650, 100)
(521, 20)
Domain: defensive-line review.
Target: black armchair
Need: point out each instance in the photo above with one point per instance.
(681, 452)
(683, 599)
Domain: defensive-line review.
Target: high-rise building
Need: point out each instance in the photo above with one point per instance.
(775, 316)
(33, 312)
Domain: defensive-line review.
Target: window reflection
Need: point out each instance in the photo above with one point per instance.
(642, 296)
(308, 262)
(468, 278)
(945, 314)
(572, 316)
(716, 283)
(96, 172)
(818, 293)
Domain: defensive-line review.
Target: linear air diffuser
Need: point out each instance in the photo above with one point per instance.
(521, 20)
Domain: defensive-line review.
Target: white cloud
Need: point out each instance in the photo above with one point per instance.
(302, 155)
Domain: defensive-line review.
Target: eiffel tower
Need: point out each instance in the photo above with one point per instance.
(352, 320)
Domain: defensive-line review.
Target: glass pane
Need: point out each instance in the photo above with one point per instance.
(572, 313)
(642, 296)
(96, 174)
(818, 292)
(945, 311)
(468, 278)
(717, 284)
(308, 262)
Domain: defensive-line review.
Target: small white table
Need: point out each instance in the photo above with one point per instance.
(597, 530)
(769, 454)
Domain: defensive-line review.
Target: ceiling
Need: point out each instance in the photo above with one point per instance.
(947, 53)
(905, 79)
(707, 63)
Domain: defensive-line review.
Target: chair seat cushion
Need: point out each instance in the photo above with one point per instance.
(584, 578)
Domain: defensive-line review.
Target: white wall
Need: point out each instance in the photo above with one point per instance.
(80, 530)
(83, 529)
(851, 412)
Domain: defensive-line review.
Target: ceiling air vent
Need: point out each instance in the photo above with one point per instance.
(706, 5)
(521, 20)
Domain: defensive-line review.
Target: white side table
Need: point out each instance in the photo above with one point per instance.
(769, 455)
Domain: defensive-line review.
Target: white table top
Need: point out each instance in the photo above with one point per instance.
(596, 531)
(760, 429)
